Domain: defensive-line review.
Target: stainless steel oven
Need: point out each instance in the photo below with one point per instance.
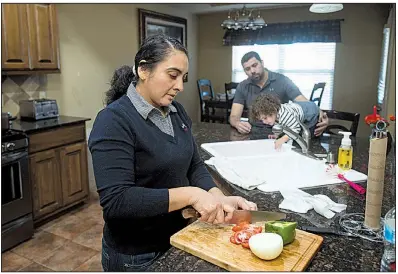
(16, 191)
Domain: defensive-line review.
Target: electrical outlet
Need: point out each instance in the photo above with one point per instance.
(42, 95)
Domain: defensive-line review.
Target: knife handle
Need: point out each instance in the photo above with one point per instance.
(190, 212)
(314, 229)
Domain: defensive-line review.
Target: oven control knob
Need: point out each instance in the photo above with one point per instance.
(10, 146)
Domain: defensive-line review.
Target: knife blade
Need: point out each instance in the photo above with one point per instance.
(238, 216)
(325, 230)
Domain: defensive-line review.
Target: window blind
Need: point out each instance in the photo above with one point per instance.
(304, 63)
(381, 85)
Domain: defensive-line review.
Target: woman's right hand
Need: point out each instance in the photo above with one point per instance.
(209, 206)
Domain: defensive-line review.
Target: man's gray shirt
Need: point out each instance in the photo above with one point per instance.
(277, 84)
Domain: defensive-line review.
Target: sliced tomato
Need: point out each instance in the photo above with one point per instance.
(241, 226)
(243, 236)
(237, 238)
(232, 239)
(255, 229)
(246, 245)
(258, 229)
(244, 226)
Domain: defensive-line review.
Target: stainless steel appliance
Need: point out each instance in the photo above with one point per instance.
(6, 120)
(38, 109)
(16, 191)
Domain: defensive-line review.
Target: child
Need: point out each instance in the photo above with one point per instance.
(269, 110)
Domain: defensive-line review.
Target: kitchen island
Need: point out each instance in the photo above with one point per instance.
(337, 253)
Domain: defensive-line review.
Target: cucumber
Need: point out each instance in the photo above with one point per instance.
(287, 230)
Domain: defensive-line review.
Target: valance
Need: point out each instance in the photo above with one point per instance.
(325, 31)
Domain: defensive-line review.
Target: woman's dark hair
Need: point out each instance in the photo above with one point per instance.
(265, 104)
(154, 49)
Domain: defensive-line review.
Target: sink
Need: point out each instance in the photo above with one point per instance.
(256, 163)
(308, 154)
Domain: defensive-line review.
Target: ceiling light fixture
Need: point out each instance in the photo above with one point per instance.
(243, 20)
(325, 8)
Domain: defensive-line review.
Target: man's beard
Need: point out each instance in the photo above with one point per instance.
(257, 77)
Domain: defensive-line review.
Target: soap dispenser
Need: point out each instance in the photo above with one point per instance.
(345, 152)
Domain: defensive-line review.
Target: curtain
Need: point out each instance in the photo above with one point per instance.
(286, 33)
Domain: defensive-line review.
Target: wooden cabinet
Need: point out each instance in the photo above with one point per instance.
(46, 183)
(43, 36)
(73, 160)
(14, 37)
(58, 171)
(29, 38)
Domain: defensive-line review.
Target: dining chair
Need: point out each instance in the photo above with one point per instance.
(344, 116)
(229, 87)
(207, 101)
(317, 86)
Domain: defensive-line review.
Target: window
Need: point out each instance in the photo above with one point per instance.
(381, 85)
(304, 63)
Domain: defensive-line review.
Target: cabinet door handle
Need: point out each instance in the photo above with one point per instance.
(14, 60)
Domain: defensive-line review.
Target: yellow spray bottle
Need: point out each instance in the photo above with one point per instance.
(345, 152)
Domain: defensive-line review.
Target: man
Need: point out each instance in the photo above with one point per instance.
(261, 80)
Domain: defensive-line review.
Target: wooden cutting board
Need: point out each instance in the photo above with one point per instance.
(211, 243)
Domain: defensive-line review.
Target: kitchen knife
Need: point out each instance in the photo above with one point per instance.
(325, 230)
(238, 216)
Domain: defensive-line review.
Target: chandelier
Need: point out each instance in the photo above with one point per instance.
(243, 20)
(325, 8)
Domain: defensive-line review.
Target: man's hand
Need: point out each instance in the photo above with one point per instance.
(243, 127)
(236, 136)
(322, 124)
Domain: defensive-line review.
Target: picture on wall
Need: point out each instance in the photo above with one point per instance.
(153, 22)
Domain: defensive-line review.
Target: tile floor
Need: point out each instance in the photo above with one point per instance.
(71, 242)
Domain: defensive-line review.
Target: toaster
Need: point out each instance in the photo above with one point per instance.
(38, 109)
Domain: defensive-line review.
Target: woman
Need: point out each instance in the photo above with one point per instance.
(146, 163)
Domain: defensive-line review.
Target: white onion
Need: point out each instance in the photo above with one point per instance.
(266, 246)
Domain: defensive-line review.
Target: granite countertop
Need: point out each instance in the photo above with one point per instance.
(29, 127)
(337, 253)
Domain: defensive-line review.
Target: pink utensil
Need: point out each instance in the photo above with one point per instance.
(334, 170)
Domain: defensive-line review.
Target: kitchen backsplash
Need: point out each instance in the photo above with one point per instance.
(21, 87)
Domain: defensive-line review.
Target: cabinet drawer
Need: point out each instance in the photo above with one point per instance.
(56, 137)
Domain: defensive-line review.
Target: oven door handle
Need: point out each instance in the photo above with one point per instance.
(13, 157)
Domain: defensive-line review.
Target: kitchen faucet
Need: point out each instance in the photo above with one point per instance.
(303, 140)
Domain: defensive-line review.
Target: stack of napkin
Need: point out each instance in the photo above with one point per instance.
(238, 175)
(299, 201)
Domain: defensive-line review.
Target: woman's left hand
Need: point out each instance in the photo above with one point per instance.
(230, 203)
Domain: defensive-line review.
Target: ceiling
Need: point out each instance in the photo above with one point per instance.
(220, 7)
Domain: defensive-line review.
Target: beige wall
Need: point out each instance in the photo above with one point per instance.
(357, 57)
(95, 39)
